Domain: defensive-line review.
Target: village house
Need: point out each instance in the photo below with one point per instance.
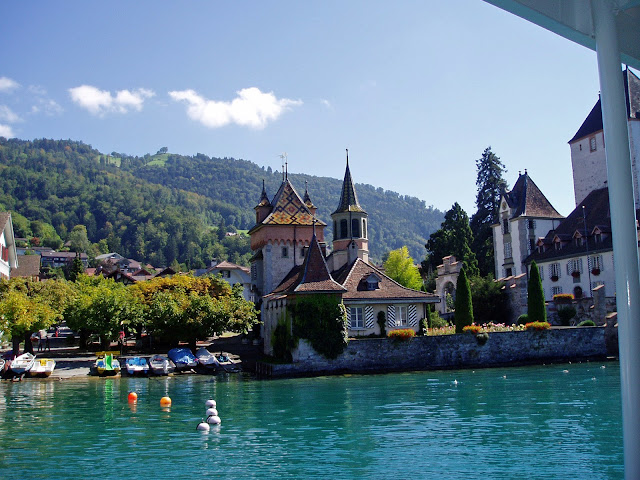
(8, 254)
(61, 259)
(290, 259)
(232, 274)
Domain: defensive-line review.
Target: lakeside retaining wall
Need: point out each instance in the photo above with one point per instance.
(448, 351)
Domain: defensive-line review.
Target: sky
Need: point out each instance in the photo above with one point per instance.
(415, 89)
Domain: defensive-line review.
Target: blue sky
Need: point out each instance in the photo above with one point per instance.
(414, 89)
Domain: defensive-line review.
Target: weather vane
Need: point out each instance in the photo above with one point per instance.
(285, 173)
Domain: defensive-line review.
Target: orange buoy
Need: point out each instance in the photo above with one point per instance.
(165, 401)
(133, 397)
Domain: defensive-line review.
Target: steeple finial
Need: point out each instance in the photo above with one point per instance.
(347, 156)
(285, 174)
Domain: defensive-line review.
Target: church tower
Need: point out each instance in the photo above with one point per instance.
(349, 226)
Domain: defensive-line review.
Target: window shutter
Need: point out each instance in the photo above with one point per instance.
(368, 316)
(391, 316)
(413, 316)
(349, 318)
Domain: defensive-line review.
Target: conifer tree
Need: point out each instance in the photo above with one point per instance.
(453, 238)
(536, 309)
(490, 184)
(464, 307)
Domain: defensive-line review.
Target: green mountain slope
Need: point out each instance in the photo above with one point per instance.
(169, 208)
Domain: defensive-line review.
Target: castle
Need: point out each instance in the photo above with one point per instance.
(291, 259)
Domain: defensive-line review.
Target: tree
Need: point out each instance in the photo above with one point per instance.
(453, 238)
(162, 150)
(490, 185)
(78, 240)
(76, 268)
(490, 303)
(464, 306)
(400, 267)
(536, 308)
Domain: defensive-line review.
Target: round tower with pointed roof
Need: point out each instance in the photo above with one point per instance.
(350, 225)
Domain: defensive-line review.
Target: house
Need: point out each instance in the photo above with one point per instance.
(233, 274)
(524, 215)
(29, 268)
(588, 159)
(110, 262)
(577, 256)
(60, 259)
(290, 259)
(8, 254)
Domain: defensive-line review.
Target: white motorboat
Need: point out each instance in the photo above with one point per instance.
(207, 360)
(161, 365)
(23, 363)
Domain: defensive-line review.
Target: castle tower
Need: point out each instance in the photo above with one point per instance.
(284, 229)
(349, 226)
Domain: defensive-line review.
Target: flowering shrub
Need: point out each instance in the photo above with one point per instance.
(537, 326)
(563, 297)
(475, 329)
(448, 330)
(402, 334)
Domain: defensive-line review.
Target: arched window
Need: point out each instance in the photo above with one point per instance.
(344, 228)
(355, 228)
(336, 234)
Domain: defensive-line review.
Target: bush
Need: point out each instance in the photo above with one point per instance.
(587, 323)
(402, 334)
(566, 314)
(537, 326)
(489, 300)
(437, 321)
(523, 319)
(475, 329)
(563, 297)
(424, 326)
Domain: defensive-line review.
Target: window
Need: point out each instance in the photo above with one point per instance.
(574, 266)
(344, 233)
(364, 228)
(357, 317)
(508, 272)
(302, 252)
(505, 225)
(531, 224)
(532, 245)
(595, 264)
(554, 271)
(226, 273)
(592, 144)
(556, 290)
(507, 250)
(254, 271)
(372, 282)
(355, 228)
(541, 271)
(401, 316)
(285, 252)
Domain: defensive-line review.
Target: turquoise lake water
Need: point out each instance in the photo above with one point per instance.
(546, 422)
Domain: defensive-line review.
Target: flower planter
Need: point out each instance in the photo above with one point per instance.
(554, 278)
(575, 274)
(595, 271)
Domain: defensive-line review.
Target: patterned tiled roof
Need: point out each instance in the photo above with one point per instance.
(348, 198)
(527, 200)
(264, 199)
(289, 208)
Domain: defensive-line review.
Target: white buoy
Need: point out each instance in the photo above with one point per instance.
(212, 412)
(455, 382)
(214, 420)
(210, 403)
(565, 371)
(203, 427)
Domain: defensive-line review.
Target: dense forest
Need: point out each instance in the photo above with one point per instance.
(166, 209)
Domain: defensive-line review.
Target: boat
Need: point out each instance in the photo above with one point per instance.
(106, 364)
(183, 359)
(23, 363)
(137, 366)
(226, 363)
(207, 361)
(42, 367)
(161, 365)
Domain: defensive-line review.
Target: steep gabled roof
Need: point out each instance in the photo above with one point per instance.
(289, 208)
(527, 200)
(348, 198)
(354, 277)
(593, 122)
(312, 276)
(264, 199)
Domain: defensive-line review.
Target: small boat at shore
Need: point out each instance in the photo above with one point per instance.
(137, 366)
(183, 359)
(207, 361)
(106, 364)
(23, 363)
(161, 365)
(226, 363)
(42, 367)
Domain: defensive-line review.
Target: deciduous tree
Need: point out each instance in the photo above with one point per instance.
(400, 267)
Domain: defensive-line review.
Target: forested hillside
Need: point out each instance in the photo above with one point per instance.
(168, 208)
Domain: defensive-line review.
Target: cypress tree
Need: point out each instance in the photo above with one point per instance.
(535, 296)
(464, 308)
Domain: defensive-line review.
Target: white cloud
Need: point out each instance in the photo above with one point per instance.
(251, 108)
(6, 131)
(326, 103)
(6, 84)
(7, 115)
(99, 102)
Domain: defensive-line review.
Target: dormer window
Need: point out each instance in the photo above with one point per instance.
(372, 282)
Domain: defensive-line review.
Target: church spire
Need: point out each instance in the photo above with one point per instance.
(348, 198)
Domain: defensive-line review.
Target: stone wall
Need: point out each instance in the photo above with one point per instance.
(449, 351)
